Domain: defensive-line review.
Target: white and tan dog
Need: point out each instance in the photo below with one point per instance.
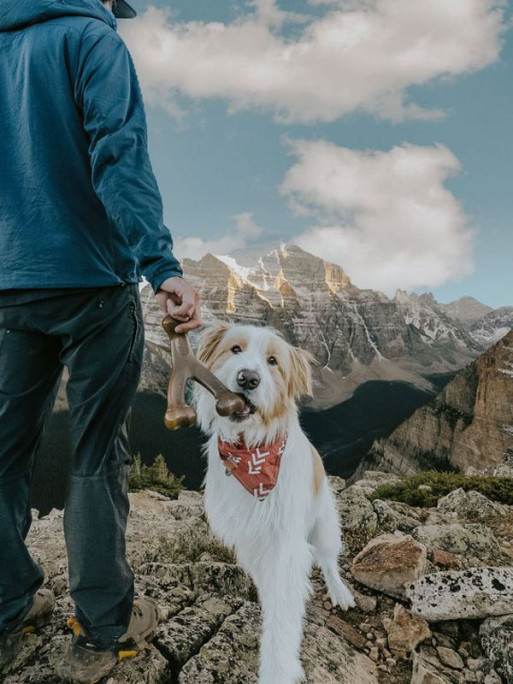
(277, 509)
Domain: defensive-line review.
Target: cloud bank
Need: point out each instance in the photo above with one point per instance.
(350, 55)
(244, 233)
(385, 217)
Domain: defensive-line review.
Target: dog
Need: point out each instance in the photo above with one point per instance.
(266, 491)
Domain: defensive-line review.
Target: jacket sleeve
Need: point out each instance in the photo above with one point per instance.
(107, 92)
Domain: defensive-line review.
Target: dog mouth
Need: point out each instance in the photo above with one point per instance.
(248, 410)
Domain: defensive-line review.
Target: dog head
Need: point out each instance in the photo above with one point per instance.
(260, 366)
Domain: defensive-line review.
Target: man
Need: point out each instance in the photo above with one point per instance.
(80, 220)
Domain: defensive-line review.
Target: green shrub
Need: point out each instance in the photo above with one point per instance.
(495, 488)
(155, 477)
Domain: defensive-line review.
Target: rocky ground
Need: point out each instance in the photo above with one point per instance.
(433, 587)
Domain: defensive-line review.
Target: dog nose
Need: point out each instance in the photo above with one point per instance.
(248, 379)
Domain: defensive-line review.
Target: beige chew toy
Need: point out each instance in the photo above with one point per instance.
(186, 366)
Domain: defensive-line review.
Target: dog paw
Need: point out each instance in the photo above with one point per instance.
(343, 598)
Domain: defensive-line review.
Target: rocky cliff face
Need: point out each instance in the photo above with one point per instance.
(356, 335)
(468, 426)
(398, 556)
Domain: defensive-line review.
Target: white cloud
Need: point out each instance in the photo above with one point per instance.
(244, 233)
(385, 217)
(358, 55)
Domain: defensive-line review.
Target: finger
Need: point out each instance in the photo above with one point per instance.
(185, 309)
(187, 327)
(195, 322)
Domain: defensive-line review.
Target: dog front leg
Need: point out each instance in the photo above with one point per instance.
(283, 582)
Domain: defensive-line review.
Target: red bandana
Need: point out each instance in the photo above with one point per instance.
(256, 468)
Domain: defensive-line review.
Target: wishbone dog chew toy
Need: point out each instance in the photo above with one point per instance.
(185, 366)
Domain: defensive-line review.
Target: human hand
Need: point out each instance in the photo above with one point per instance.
(181, 301)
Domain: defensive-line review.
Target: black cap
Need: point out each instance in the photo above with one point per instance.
(122, 10)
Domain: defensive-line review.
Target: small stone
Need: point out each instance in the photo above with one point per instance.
(492, 678)
(370, 636)
(391, 662)
(474, 664)
(367, 604)
(404, 631)
(450, 658)
(374, 654)
(446, 560)
(424, 672)
(471, 676)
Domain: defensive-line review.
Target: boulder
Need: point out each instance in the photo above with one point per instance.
(372, 479)
(404, 631)
(472, 505)
(357, 517)
(389, 562)
(496, 636)
(472, 541)
(390, 520)
(476, 593)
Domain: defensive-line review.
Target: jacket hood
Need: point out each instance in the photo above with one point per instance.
(15, 14)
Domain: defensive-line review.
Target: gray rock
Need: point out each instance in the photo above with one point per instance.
(472, 505)
(472, 541)
(358, 520)
(497, 640)
(450, 658)
(425, 673)
(391, 520)
(466, 594)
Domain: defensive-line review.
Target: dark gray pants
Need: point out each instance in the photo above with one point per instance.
(98, 335)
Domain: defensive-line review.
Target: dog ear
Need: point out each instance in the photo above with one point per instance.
(300, 381)
(209, 341)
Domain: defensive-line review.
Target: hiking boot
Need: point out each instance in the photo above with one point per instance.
(86, 663)
(38, 616)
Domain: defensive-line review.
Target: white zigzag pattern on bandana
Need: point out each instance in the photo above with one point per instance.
(255, 465)
(260, 493)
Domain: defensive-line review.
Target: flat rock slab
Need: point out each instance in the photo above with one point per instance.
(388, 562)
(476, 593)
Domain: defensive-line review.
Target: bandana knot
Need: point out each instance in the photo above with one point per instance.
(256, 468)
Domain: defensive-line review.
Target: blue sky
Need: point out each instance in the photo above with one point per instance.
(412, 197)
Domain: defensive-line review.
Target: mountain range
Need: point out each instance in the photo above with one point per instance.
(356, 335)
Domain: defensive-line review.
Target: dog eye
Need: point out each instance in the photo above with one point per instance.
(272, 361)
(236, 349)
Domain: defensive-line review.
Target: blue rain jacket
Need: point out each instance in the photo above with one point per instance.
(79, 204)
